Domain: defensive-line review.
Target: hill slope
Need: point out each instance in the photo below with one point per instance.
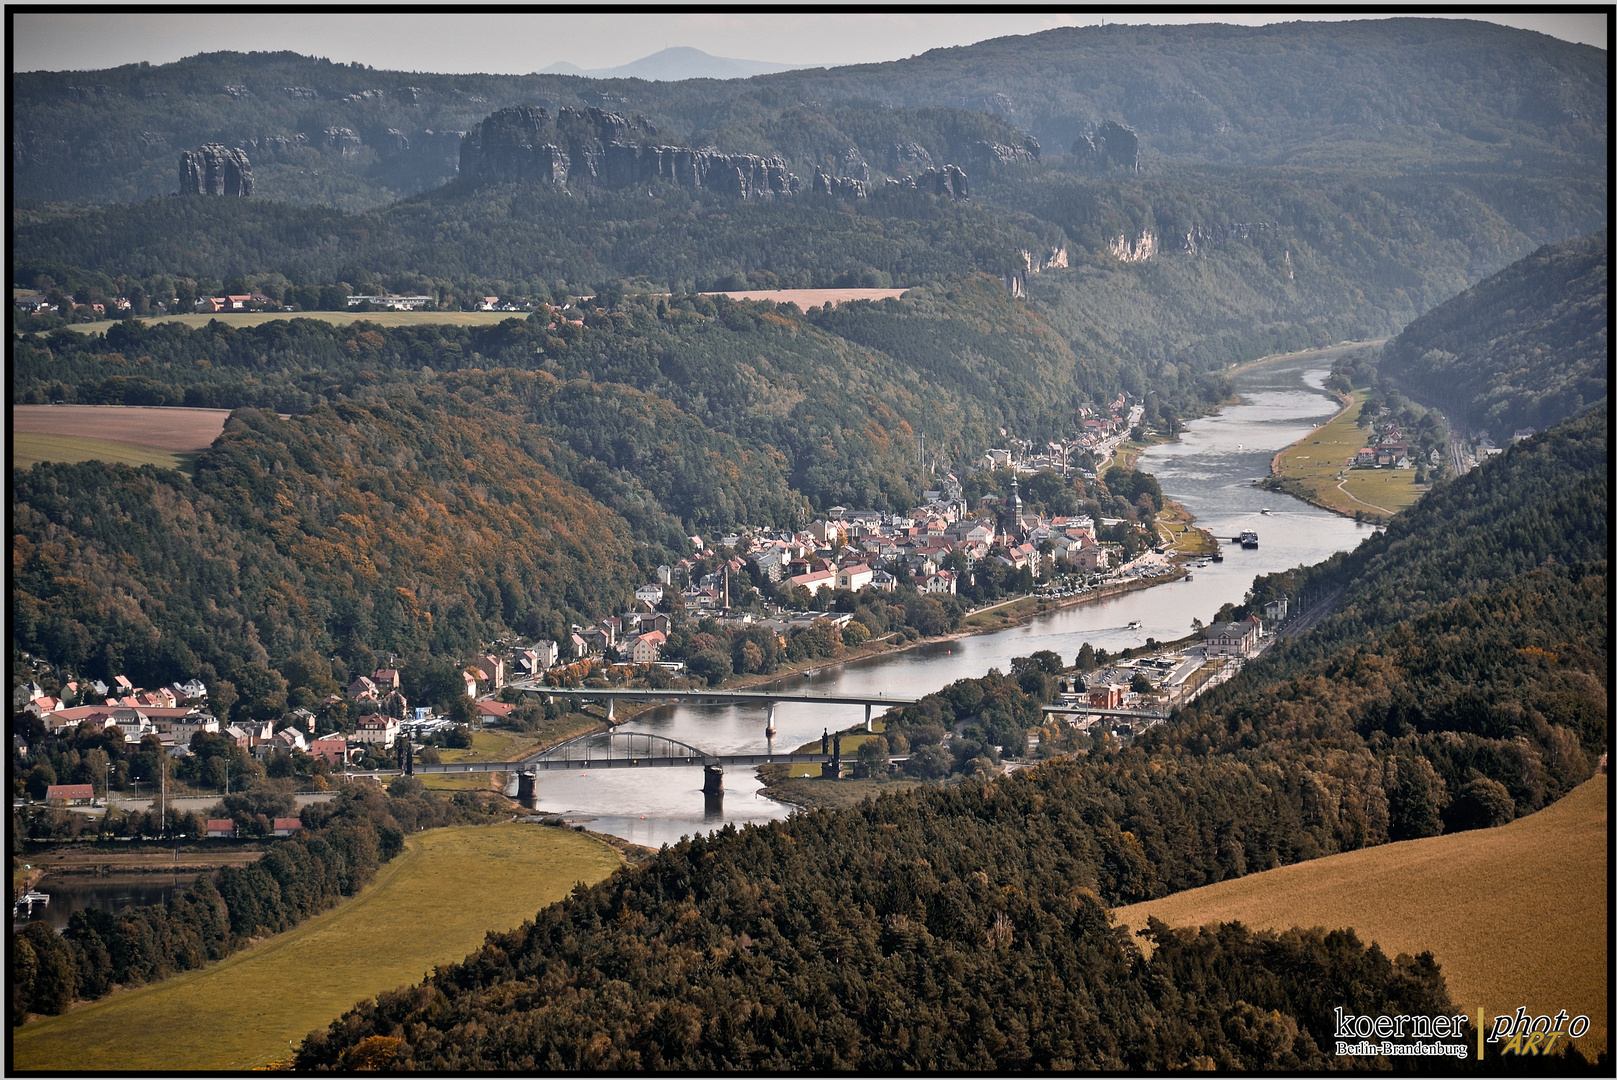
(1542, 879)
(1525, 348)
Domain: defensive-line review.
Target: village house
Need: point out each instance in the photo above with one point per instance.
(495, 667)
(386, 679)
(221, 829)
(286, 826)
(646, 648)
(332, 749)
(815, 580)
(854, 576)
(70, 794)
(1231, 639)
(362, 688)
(1106, 695)
(494, 712)
(184, 728)
(377, 729)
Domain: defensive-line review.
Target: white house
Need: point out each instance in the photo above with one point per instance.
(1231, 639)
(377, 729)
(651, 593)
(854, 577)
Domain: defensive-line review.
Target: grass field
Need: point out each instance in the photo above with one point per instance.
(1314, 469)
(338, 318)
(807, 298)
(29, 448)
(1517, 915)
(431, 905)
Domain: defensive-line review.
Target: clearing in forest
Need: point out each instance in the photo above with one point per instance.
(431, 905)
(1516, 915)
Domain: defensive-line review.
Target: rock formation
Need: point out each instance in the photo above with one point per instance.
(345, 141)
(907, 159)
(1138, 251)
(1110, 146)
(595, 147)
(949, 180)
(1015, 279)
(844, 187)
(213, 169)
(989, 155)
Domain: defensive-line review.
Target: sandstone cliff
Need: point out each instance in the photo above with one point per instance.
(595, 147)
(213, 169)
(1109, 146)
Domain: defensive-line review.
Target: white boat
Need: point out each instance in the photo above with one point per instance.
(1266, 511)
(1135, 625)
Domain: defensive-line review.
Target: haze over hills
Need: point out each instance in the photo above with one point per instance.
(676, 63)
(1403, 94)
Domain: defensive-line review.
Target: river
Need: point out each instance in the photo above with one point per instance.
(1210, 470)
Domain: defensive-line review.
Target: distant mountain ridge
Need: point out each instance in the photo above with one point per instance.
(675, 64)
(1393, 95)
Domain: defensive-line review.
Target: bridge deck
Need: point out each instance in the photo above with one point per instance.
(625, 761)
(1090, 710)
(763, 696)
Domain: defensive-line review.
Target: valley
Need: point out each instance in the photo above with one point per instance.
(1170, 464)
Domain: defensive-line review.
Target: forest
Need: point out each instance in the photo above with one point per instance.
(1461, 681)
(1528, 347)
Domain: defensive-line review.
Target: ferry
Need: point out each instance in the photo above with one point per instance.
(1249, 539)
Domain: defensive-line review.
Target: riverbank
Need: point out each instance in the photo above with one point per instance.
(1316, 470)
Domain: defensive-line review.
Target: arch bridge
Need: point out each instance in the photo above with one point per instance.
(767, 698)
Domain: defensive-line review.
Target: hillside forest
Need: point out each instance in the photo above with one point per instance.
(1461, 680)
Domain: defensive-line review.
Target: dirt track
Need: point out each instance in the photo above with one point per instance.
(177, 430)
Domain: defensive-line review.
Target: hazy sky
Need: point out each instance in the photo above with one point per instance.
(522, 43)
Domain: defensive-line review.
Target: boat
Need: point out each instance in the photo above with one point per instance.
(1249, 539)
(1218, 554)
(1135, 625)
(24, 907)
(1266, 512)
(1202, 565)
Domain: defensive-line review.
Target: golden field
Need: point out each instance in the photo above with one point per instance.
(1517, 915)
(431, 905)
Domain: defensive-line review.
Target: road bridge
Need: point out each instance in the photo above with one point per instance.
(767, 698)
(631, 750)
(1090, 710)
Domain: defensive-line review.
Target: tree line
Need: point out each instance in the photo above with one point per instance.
(335, 853)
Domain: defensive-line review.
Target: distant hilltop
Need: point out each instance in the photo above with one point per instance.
(679, 62)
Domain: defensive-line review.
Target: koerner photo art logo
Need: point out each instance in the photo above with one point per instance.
(1415, 1035)
(1403, 1035)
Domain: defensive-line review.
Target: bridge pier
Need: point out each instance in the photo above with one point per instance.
(769, 719)
(525, 786)
(609, 703)
(712, 779)
(867, 717)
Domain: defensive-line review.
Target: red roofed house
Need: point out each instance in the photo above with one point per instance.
(816, 580)
(361, 688)
(386, 678)
(854, 576)
(221, 827)
(645, 648)
(286, 826)
(492, 712)
(333, 749)
(70, 794)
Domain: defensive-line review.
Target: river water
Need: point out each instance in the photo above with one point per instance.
(1210, 470)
